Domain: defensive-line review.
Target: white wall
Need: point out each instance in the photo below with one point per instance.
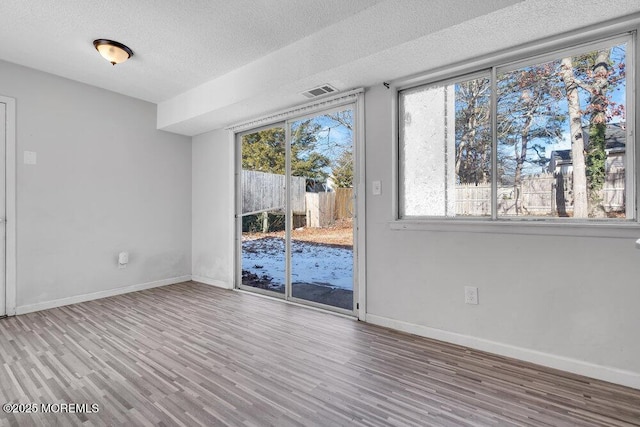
(213, 228)
(105, 181)
(568, 302)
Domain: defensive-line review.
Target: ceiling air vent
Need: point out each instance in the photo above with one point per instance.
(319, 91)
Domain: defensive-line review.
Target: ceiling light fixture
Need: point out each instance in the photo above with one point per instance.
(113, 52)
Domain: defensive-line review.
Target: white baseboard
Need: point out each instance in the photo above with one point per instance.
(97, 295)
(212, 282)
(575, 366)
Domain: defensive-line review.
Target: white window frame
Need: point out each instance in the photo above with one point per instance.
(532, 53)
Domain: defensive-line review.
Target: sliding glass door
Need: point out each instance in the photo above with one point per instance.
(322, 238)
(296, 203)
(263, 210)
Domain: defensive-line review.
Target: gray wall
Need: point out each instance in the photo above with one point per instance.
(213, 198)
(565, 296)
(105, 181)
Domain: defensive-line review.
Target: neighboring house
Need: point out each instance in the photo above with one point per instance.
(615, 138)
(316, 186)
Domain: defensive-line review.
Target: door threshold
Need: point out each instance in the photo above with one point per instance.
(311, 307)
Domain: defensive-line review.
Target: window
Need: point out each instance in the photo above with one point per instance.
(549, 138)
(445, 134)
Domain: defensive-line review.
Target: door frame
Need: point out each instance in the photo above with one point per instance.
(355, 100)
(237, 138)
(10, 206)
(356, 262)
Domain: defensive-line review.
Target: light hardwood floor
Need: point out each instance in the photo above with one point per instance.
(190, 354)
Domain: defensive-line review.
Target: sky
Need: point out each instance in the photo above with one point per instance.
(333, 138)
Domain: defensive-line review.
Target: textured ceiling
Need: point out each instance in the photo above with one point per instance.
(178, 44)
(210, 63)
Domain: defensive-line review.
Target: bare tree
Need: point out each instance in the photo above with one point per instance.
(580, 199)
(528, 118)
(594, 74)
(473, 132)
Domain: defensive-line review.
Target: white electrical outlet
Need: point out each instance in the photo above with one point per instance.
(123, 259)
(470, 295)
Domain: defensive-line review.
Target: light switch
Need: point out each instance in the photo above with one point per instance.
(376, 188)
(30, 157)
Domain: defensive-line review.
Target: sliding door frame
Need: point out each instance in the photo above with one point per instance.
(238, 212)
(355, 282)
(11, 286)
(350, 100)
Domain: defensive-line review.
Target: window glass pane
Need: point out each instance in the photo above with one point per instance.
(445, 149)
(322, 209)
(263, 210)
(562, 137)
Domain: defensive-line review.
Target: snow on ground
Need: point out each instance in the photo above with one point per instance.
(310, 262)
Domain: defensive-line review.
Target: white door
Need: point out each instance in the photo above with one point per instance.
(3, 229)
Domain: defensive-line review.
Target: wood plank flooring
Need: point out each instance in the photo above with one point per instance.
(190, 354)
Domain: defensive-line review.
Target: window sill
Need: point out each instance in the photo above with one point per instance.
(626, 230)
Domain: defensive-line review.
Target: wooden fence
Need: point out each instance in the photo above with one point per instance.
(344, 203)
(473, 199)
(545, 194)
(534, 196)
(320, 209)
(613, 194)
(264, 192)
(324, 208)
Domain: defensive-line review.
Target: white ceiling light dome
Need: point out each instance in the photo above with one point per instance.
(112, 51)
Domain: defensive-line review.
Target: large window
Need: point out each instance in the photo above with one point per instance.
(548, 137)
